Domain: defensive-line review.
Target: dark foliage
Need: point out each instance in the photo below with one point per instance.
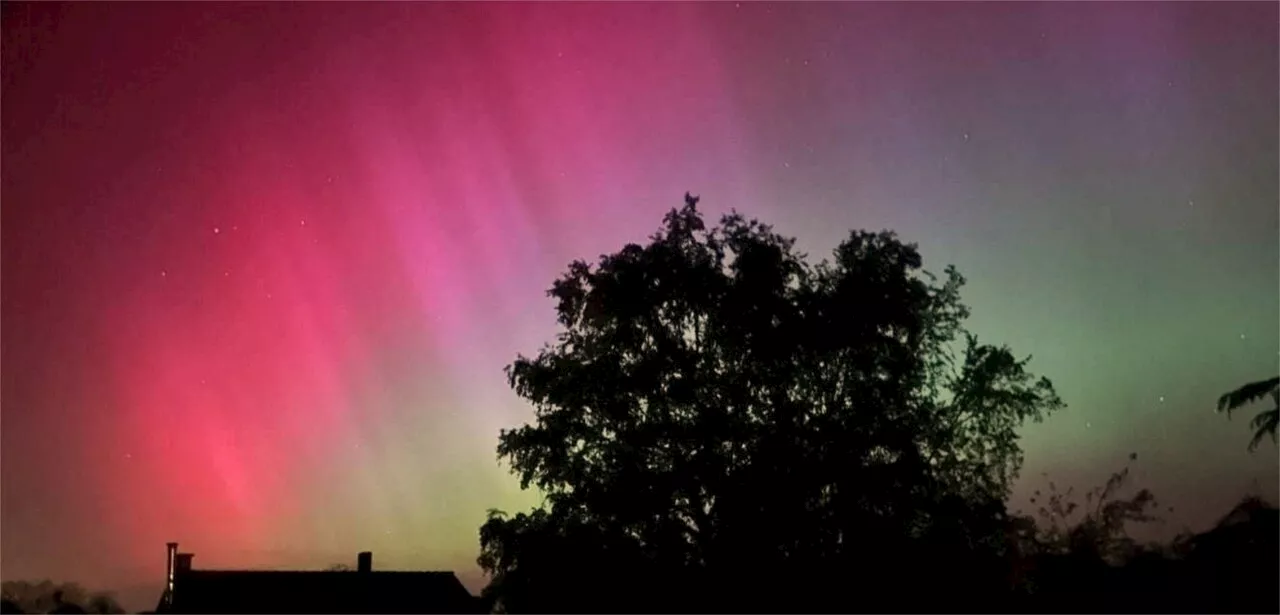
(49, 597)
(1081, 559)
(1264, 423)
(722, 425)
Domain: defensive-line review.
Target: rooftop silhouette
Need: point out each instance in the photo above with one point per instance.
(363, 590)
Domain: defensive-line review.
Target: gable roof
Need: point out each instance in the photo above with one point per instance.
(270, 591)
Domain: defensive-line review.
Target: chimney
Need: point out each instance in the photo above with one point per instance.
(183, 562)
(170, 562)
(364, 561)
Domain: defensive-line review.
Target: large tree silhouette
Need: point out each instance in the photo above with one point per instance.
(721, 425)
(1264, 423)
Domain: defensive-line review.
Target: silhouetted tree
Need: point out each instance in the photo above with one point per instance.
(338, 568)
(1080, 557)
(1266, 422)
(720, 419)
(1099, 528)
(49, 597)
(40, 597)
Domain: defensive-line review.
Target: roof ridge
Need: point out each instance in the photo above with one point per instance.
(295, 571)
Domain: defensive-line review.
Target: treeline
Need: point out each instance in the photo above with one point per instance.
(49, 597)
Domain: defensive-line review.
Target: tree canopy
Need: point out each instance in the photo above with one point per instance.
(719, 413)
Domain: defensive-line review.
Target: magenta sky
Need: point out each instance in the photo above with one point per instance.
(263, 263)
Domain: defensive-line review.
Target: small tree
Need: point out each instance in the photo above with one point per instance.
(1099, 528)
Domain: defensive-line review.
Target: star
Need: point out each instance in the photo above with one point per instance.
(966, 137)
(164, 274)
(302, 223)
(1162, 399)
(216, 230)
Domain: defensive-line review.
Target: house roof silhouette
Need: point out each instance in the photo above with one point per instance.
(363, 590)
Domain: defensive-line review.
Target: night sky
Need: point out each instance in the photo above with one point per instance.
(263, 264)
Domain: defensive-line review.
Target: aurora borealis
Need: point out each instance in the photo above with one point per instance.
(263, 263)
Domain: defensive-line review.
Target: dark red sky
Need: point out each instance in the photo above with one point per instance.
(263, 263)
